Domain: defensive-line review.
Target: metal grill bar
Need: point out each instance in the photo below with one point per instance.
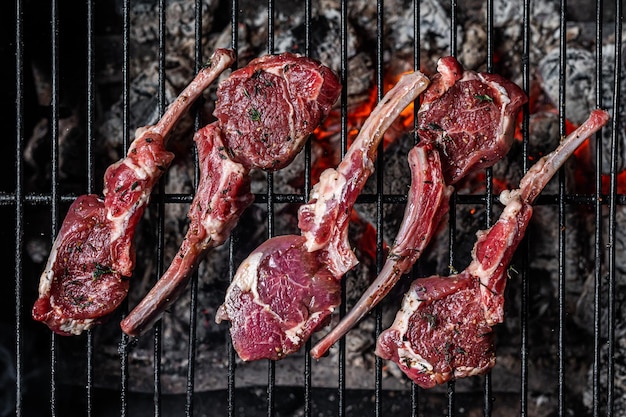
(341, 379)
(232, 268)
(124, 339)
(271, 365)
(487, 391)
(525, 287)
(416, 66)
(160, 238)
(19, 202)
(453, 202)
(561, 215)
(613, 208)
(54, 174)
(597, 244)
(380, 170)
(308, 377)
(90, 177)
(193, 304)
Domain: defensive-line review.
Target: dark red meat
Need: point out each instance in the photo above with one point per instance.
(86, 274)
(272, 314)
(289, 92)
(469, 119)
(443, 329)
(281, 99)
(289, 286)
(469, 116)
(451, 318)
(223, 194)
(79, 285)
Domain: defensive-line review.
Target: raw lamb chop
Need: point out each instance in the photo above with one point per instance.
(470, 119)
(269, 108)
(86, 276)
(266, 111)
(223, 194)
(288, 287)
(469, 116)
(443, 330)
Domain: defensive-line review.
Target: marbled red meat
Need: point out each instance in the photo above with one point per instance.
(93, 255)
(289, 286)
(290, 95)
(443, 329)
(469, 116)
(469, 119)
(80, 284)
(281, 100)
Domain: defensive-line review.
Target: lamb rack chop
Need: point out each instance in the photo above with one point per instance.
(469, 118)
(443, 329)
(269, 108)
(289, 286)
(86, 276)
(266, 111)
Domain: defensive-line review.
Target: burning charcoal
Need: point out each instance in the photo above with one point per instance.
(579, 81)
(143, 108)
(544, 33)
(179, 20)
(608, 66)
(144, 72)
(618, 359)
(435, 29)
(585, 307)
(473, 51)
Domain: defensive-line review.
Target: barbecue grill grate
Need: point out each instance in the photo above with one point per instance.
(85, 398)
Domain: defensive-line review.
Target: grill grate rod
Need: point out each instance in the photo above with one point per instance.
(308, 377)
(232, 269)
(487, 390)
(90, 178)
(380, 170)
(160, 232)
(54, 176)
(451, 396)
(612, 211)
(525, 287)
(124, 339)
(416, 66)
(597, 244)
(193, 303)
(19, 201)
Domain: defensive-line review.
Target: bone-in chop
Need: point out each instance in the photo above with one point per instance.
(443, 329)
(290, 285)
(469, 118)
(86, 276)
(266, 111)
